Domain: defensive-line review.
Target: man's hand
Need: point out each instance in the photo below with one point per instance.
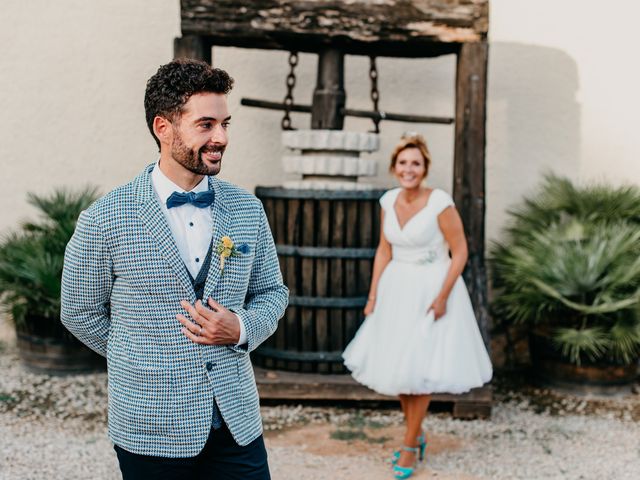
(217, 326)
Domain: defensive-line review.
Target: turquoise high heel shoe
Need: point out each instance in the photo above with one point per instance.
(422, 445)
(402, 473)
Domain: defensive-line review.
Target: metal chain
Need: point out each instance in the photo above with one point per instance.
(288, 99)
(375, 94)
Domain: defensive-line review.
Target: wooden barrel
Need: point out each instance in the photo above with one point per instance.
(57, 356)
(552, 368)
(326, 242)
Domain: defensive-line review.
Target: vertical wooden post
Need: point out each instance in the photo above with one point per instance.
(469, 169)
(192, 46)
(329, 96)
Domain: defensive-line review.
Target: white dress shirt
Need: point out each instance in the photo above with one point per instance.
(191, 227)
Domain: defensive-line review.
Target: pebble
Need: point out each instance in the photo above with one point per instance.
(55, 427)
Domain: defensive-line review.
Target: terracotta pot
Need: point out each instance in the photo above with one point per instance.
(553, 369)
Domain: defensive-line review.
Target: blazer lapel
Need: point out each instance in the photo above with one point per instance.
(156, 224)
(222, 217)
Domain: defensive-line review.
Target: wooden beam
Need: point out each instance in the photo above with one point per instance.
(192, 46)
(469, 169)
(329, 97)
(397, 28)
(287, 386)
(349, 112)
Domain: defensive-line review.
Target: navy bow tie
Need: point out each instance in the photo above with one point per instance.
(200, 200)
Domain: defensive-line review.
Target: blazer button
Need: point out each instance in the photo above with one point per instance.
(209, 366)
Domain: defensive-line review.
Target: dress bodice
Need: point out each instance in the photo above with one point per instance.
(420, 240)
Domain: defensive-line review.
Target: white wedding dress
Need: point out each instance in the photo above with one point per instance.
(399, 349)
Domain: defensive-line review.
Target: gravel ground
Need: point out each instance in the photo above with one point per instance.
(55, 428)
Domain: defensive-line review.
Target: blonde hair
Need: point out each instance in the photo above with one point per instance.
(411, 140)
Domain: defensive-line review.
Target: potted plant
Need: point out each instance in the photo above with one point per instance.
(31, 261)
(568, 270)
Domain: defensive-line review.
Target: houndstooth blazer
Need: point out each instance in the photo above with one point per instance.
(122, 283)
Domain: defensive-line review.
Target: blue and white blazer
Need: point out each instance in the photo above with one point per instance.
(122, 283)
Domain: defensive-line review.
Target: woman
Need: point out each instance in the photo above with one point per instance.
(420, 335)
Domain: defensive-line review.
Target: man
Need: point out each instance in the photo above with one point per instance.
(174, 278)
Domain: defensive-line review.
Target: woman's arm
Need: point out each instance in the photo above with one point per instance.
(382, 258)
(451, 226)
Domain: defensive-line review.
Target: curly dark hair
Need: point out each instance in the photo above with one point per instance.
(174, 83)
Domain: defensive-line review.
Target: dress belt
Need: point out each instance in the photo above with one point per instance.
(422, 261)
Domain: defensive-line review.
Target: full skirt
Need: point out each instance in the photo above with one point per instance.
(400, 349)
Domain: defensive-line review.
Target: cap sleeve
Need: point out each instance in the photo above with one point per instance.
(388, 198)
(441, 200)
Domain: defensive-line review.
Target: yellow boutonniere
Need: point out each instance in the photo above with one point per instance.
(227, 248)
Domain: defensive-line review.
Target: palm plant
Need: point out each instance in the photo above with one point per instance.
(570, 266)
(31, 263)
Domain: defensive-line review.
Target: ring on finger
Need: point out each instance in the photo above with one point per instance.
(200, 331)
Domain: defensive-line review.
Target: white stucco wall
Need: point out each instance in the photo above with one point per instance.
(72, 79)
(562, 96)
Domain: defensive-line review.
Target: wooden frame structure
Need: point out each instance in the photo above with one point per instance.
(394, 28)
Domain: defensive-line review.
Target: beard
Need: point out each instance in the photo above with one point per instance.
(192, 159)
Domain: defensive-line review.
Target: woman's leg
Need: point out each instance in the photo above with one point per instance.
(403, 406)
(416, 409)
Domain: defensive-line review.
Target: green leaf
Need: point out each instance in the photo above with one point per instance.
(570, 259)
(625, 340)
(31, 259)
(575, 343)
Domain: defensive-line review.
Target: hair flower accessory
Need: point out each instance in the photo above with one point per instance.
(227, 248)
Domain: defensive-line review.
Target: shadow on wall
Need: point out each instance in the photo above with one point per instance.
(533, 126)
(533, 123)
(418, 86)
(533, 118)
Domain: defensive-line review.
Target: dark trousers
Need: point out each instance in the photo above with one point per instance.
(220, 459)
